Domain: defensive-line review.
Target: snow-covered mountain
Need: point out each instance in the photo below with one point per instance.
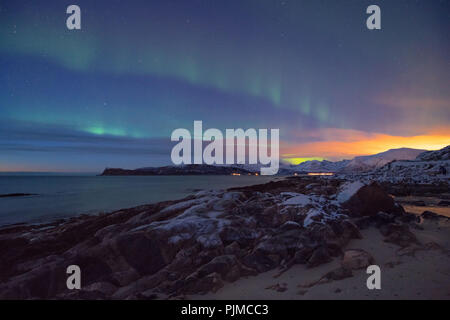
(366, 163)
(357, 164)
(320, 166)
(391, 164)
(428, 167)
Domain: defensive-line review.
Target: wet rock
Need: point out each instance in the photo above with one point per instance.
(227, 266)
(261, 262)
(105, 288)
(429, 215)
(204, 256)
(290, 225)
(356, 259)
(43, 281)
(320, 256)
(210, 283)
(140, 285)
(283, 244)
(233, 249)
(409, 218)
(267, 216)
(244, 236)
(123, 278)
(383, 217)
(143, 254)
(303, 254)
(363, 222)
(351, 230)
(398, 234)
(94, 269)
(343, 231)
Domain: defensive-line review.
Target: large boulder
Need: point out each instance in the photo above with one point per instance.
(369, 200)
(355, 259)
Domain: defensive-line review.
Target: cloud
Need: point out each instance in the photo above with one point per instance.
(422, 103)
(18, 136)
(351, 143)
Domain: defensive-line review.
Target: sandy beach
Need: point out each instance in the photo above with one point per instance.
(414, 273)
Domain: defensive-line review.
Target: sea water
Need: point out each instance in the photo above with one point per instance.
(63, 196)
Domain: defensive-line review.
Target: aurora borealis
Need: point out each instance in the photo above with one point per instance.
(111, 93)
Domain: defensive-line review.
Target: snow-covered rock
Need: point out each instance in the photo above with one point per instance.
(348, 190)
(438, 155)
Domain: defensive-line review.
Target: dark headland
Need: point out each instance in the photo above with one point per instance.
(191, 169)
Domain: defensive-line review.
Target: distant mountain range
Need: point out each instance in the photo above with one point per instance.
(356, 165)
(320, 166)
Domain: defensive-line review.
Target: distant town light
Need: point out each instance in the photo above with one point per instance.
(320, 173)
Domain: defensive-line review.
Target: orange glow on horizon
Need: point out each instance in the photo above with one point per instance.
(360, 143)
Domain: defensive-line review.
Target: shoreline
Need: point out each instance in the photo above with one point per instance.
(62, 198)
(215, 244)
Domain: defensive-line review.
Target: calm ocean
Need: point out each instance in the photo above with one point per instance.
(62, 196)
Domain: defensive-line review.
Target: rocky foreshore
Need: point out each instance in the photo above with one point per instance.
(195, 245)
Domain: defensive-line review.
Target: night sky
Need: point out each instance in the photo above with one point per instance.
(110, 94)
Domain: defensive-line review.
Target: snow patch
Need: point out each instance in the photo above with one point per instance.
(309, 216)
(348, 190)
(298, 200)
